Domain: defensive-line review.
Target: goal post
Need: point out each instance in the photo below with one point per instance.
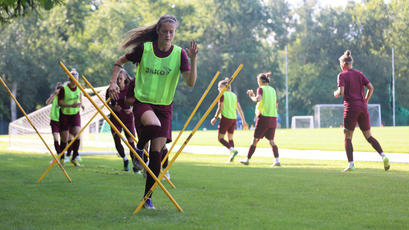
(298, 122)
(331, 115)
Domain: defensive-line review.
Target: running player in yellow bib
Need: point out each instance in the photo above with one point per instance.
(159, 64)
(227, 108)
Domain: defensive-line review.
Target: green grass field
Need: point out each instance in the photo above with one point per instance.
(303, 194)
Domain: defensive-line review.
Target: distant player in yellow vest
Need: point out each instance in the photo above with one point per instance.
(227, 108)
(70, 100)
(159, 64)
(266, 112)
(55, 116)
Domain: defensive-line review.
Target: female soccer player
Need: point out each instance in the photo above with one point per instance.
(227, 107)
(266, 112)
(159, 64)
(55, 116)
(70, 100)
(351, 86)
(124, 113)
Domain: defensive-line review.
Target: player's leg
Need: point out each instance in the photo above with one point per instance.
(251, 151)
(350, 120)
(270, 133)
(364, 125)
(230, 133)
(76, 145)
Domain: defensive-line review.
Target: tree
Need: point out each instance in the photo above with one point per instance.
(15, 8)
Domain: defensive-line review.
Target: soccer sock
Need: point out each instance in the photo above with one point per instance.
(231, 143)
(57, 146)
(351, 163)
(349, 149)
(154, 165)
(70, 149)
(165, 164)
(375, 144)
(275, 151)
(225, 143)
(76, 146)
(252, 149)
(119, 146)
(148, 132)
(62, 147)
(132, 144)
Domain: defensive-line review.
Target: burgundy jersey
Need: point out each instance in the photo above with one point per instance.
(353, 82)
(135, 56)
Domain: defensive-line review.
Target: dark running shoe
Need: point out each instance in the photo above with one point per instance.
(126, 165)
(148, 204)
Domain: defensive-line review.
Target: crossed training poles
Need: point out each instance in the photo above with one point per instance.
(120, 122)
(120, 135)
(38, 133)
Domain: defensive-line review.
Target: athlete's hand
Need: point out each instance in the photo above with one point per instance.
(250, 93)
(336, 94)
(245, 126)
(213, 121)
(113, 91)
(117, 108)
(193, 50)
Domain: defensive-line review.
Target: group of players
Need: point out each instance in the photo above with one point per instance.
(145, 103)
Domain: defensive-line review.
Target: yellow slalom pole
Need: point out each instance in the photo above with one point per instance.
(69, 145)
(191, 116)
(32, 125)
(120, 122)
(120, 135)
(189, 137)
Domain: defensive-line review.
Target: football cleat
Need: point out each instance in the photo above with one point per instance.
(386, 164)
(350, 168)
(148, 204)
(126, 165)
(245, 161)
(276, 164)
(75, 162)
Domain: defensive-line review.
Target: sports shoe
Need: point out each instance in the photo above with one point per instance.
(126, 165)
(245, 161)
(276, 164)
(386, 164)
(350, 168)
(233, 154)
(148, 204)
(166, 175)
(75, 162)
(78, 158)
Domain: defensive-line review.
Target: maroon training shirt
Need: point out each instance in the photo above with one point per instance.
(353, 82)
(135, 56)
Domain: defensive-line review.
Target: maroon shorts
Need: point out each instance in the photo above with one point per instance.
(265, 127)
(227, 124)
(69, 121)
(126, 119)
(163, 112)
(354, 115)
(55, 126)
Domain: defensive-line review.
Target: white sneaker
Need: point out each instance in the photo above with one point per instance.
(245, 161)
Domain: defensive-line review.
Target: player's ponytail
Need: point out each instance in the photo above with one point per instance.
(140, 35)
(346, 58)
(264, 77)
(224, 82)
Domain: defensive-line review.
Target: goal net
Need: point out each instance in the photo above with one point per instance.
(22, 136)
(331, 115)
(298, 122)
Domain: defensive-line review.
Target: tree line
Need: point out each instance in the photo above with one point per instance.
(86, 35)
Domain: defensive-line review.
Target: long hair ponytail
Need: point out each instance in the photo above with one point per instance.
(140, 35)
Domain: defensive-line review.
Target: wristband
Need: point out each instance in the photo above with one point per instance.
(118, 65)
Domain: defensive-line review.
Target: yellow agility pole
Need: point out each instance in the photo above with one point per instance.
(189, 137)
(120, 122)
(120, 135)
(191, 116)
(69, 145)
(32, 125)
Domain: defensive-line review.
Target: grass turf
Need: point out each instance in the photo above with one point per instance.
(303, 194)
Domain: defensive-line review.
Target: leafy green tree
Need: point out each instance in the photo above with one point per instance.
(15, 8)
